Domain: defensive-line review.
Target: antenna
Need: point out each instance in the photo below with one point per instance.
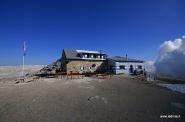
(100, 51)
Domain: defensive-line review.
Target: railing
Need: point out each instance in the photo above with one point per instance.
(72, 75)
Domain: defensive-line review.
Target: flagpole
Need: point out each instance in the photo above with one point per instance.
(23, 66)
(23, 58)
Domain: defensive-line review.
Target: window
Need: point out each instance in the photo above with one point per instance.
(85, 56)
(98, 56)
(139, 67)
(95, 56)
(122, 67)
(94, 65)
(82, 68)
(88, 55)
(92, 56)
(89, 67)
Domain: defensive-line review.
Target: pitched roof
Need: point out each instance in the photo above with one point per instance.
(73, 54)
(124, 59)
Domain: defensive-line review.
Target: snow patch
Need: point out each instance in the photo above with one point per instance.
(174, 87)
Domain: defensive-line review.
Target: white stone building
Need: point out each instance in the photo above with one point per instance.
(124, 65)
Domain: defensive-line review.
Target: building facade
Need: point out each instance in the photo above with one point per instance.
(82, 61)
(124, 65)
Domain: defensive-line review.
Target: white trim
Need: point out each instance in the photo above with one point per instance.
(94, 58)
(87, 51)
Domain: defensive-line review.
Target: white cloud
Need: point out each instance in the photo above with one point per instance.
(172, 58)
(149, 66)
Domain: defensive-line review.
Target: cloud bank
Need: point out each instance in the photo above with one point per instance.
(149, 66)
(171, 59)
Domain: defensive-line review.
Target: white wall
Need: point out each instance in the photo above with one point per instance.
(127, 65)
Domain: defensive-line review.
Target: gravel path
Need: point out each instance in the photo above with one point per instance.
(89, 100)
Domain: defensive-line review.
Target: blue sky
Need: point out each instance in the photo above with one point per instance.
(117, 27)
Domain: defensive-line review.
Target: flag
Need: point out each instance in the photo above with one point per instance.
(24, 48)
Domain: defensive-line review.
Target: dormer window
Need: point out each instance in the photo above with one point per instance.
(85, 56)
(95, 56)
(92, 56)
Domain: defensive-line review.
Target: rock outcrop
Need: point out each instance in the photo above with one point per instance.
(48, 70)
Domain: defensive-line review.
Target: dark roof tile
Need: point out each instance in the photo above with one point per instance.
(71, 54)
(124, 59)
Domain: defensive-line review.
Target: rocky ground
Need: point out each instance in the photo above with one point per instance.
(121, 98)
(14, 73)
(10, 73)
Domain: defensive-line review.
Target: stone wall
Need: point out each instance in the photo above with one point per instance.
(84, 66)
